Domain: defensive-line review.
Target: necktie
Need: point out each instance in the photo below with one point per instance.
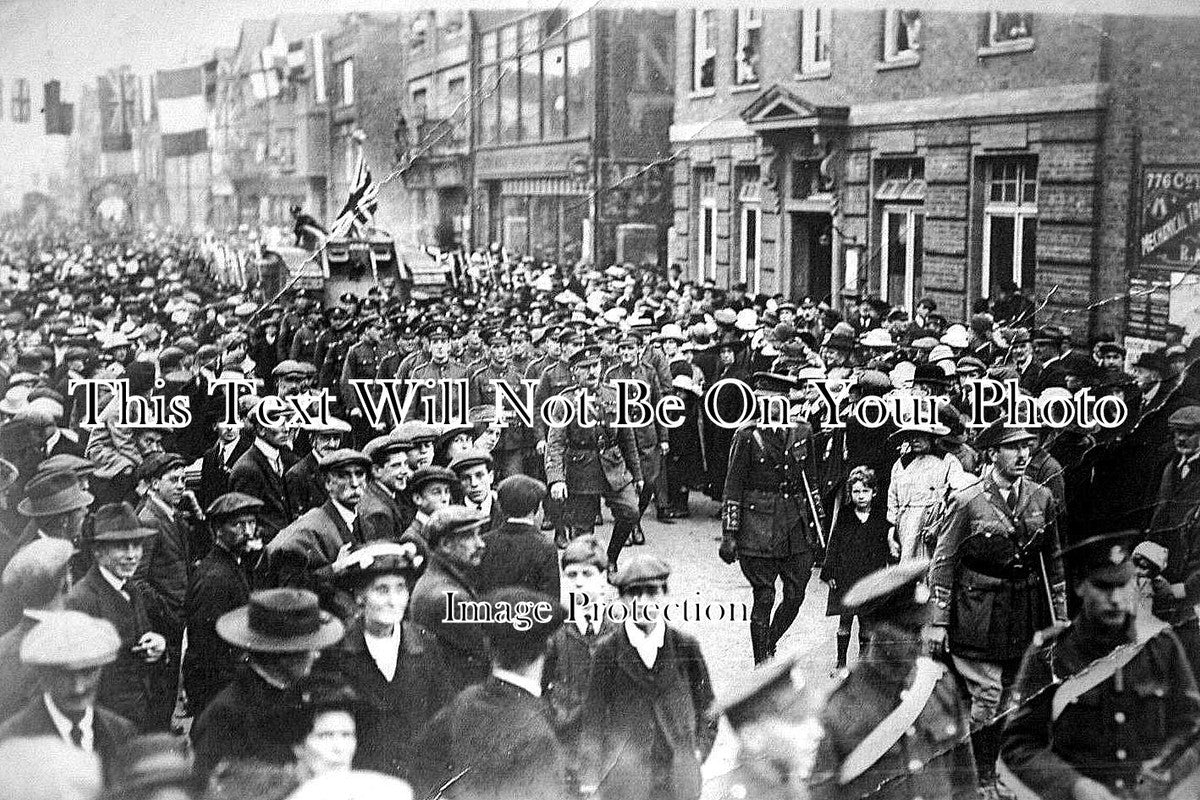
(1185, 467)
(1012, 499)
(76, 731)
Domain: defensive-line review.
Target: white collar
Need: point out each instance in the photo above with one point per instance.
(53, 440)
(486, 506)
(63, 724)
(348, 515)
(647, 645)
(269, 450)
(520, 681)
(113, 580)
(520, 520)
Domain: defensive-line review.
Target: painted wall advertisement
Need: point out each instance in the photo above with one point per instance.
(1166, 288)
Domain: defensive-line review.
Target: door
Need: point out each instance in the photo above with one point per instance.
(811, 238)
(902, 255)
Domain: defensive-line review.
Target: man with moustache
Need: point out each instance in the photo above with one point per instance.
(997, 579)
(303, 553)
(305, 489)
(219, 583)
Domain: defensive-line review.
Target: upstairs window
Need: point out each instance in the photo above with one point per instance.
(901, 35)
(814, 41)
(748, 51)
(704, 53)
(1008, 32)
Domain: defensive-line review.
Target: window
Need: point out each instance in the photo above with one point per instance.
(531, 91)
(901, 35)
(346, 74)
(420, 103)
(1009, 223)
(554, 92)
(452, 23)
(748, 52)
(900, 191)
(704, 50)
(20, 100)
(456, 90)
(1008, 26)
(510, 102)
(814, 41)
(579, 88)
(418, 33)
(489, 106)
(706, 228)
(749, 225)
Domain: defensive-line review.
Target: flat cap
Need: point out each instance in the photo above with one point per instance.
(329, 425)
(1185, 419)
(35, 572)
(416, 432)
(452, 521)
(427, 475)
(158, 464)
(642, 569)
(232, 504)
(774, 382)
(585, 549)
(379, 448)
(341, 458)
(72, 640)
(471, 458)
(288, 367)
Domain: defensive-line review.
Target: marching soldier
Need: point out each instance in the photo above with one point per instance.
(652, 437)
(897, 726)
(331, 348)
(362, 363)
(553, 375)
(515, 440)
(441, 369)
(766, 521)
(997, 579)
(1107, 707)
(585, 463)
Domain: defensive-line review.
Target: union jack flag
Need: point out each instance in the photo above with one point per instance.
(358, 212)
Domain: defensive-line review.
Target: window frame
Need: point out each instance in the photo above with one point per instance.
(22, 103)
(892, 57)
(747, 210)
(1019, 211)
(815, 28)
(992, 46)
(746, 19)
(700, 23)
(345, 69)
(911, 211)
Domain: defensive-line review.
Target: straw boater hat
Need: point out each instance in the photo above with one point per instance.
(280, 621)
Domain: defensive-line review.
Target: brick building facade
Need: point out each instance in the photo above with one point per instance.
(908, 154)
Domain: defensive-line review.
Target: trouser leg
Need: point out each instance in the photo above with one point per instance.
(761, 573)
(986, 684)
(623, 505)
(795, 572)
(579, 513)
(843, 638)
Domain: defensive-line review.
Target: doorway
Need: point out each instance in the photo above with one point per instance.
(811, 236)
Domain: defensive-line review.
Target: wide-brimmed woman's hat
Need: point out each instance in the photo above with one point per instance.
(934, 429)
(373, 559)
(51, 493)
(280, 621)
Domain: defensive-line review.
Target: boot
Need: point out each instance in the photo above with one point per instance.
(665, 516)
(760, 641)
(620, 534)
(560, 539)
(638, 537)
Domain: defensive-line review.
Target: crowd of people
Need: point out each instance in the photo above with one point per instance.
(248, 603)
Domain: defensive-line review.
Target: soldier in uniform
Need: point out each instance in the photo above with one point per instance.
(997, 579)
(362, 362)
(553, 376)
(765, 521)
(585, 463)
(1107, 706)
(303, 346)
(515, 440)
(440, 369)
(897, 726)
(652, 437)
(331, 348)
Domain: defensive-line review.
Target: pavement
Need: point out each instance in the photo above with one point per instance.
(699, 575)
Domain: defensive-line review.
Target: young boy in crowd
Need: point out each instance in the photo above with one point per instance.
(858, 546)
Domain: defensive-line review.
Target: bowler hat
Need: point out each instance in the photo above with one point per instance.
(1151, 361)
(118, 522)
(452, 521)
(50, 493)
(71, 640)
(930, 373)
(280, 621)
(232, 504)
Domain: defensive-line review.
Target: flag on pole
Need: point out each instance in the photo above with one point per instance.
(182, 111)
(115, 107)
(360, 207)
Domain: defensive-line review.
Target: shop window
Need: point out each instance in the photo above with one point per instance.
(814, 41)
(704, 50)
(1009, 223)
(901, 35)
(748, 50)
(489, 106)
(531, 90)
(510, 102)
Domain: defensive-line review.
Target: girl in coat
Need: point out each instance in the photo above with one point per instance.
(858, 546)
